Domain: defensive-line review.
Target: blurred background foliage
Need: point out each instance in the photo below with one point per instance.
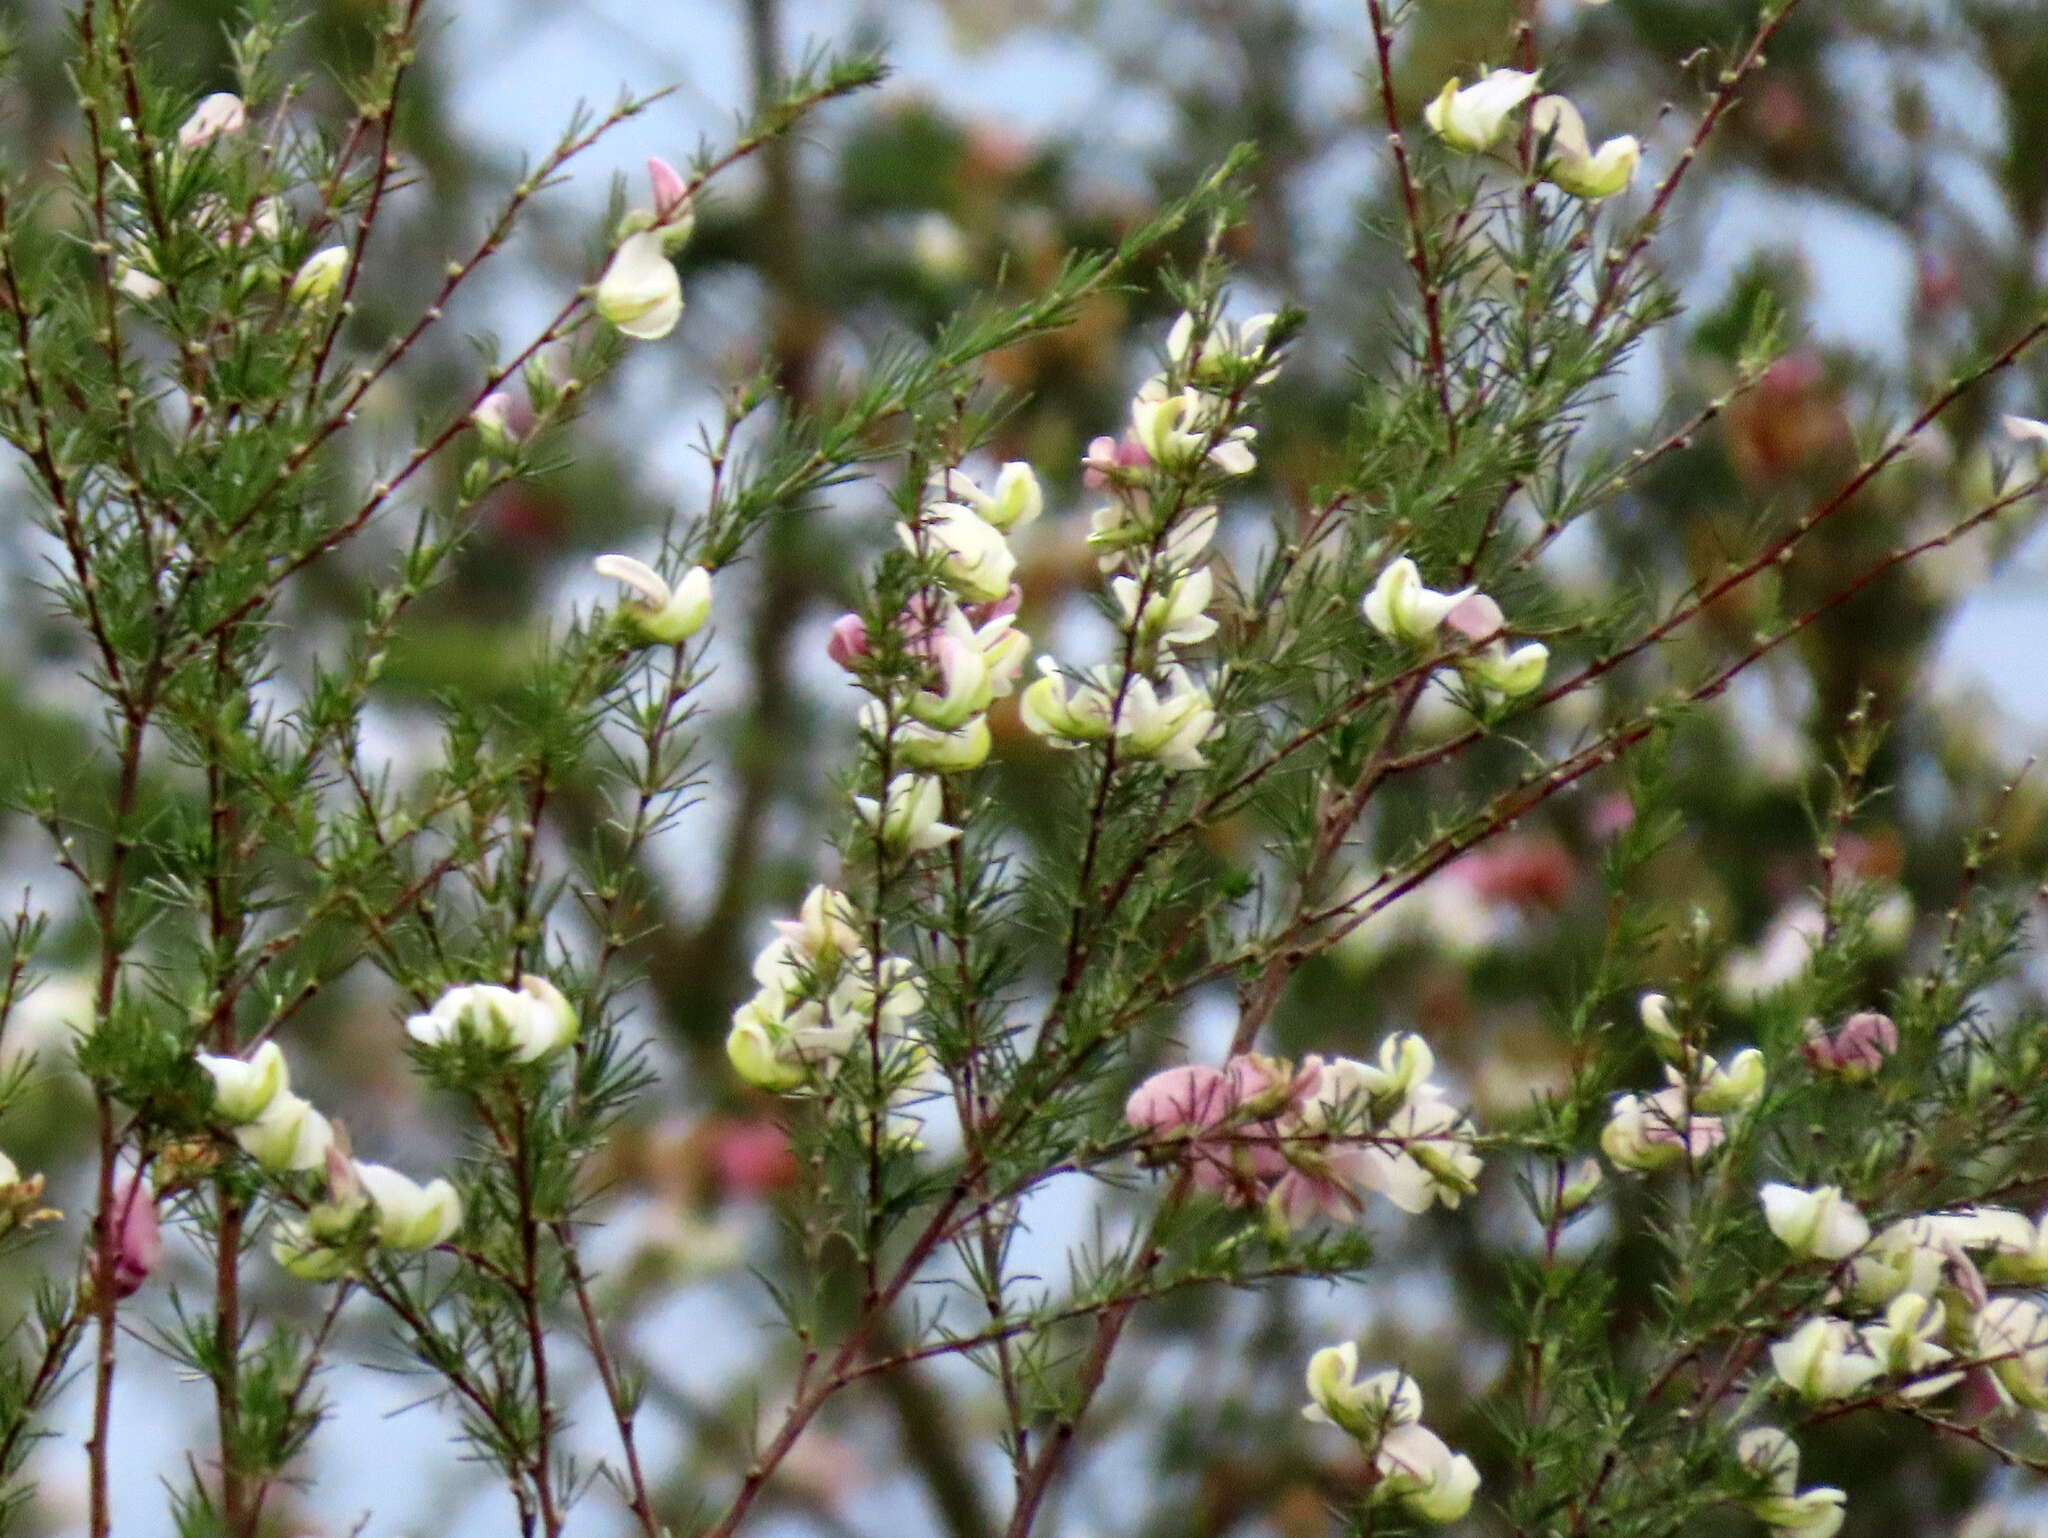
(1883, 186)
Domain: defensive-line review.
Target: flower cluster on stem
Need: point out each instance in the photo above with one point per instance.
(1310, 1142)
(1382, 1412)
(1186, 436)
(820, 991)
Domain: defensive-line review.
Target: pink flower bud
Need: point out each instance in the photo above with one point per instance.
(1856, 1050)
(849, 640)
(1981, 1397)
(344, 1186)
(138, 1237)
(669, 188)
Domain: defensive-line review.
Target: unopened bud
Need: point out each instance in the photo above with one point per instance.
(1584, 1184)
(138, 1236)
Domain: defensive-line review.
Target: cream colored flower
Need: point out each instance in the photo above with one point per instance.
(640, 291)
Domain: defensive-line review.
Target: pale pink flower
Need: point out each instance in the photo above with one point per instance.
(1324, 1190)
(1477, 618)
(1111, 459)
(1178, 1101)
(1857, 1049)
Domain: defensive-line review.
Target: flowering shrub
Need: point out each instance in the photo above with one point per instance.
(1087, 856)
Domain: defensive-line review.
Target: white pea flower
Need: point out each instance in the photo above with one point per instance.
(551, 1016)
(2026, 430)
(1401, 607)
(1361, 1406)
(492, 420)
(1821, 1362)
(1787, 1510)
(640, 291)
(1654, 1010)
(1436, 1162)
(1816, 1224)
(138, 284)
(1508, 674)
(244, 1088)
(2019, 1248)
(1232, 453)
(1404, 1065)
(266, 218)
(289, 1136)
(1574, 164)
(1904, 1343)
(1998, 1229)
(1223, 346)
(1187, 541)
(777, 1046)
(1175, 616)
(823, 930)
(1771, 1453)
(941, 752)
(2012, 1336)
(1118, 532)
(1580, 1187)
(1341, 1096)
(1718, 1090)
(1167, 425)
(1015, 500)
(534, 1021)
(932, 749)
(1472, 118)
(974, 559)
(660, 613)
(907, 816)
(1177, 428)
(220, 113)
(751, 1050)
(965, 686)
(319, 276)
(1067, 717)
(1814, 1513)
(855, 998)
(1908, 1256)
(1417, 1469)
(410, 1216)
(293, 1246)
(1654, 1132)
(1170, 726)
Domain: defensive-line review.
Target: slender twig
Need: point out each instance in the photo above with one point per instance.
(1416, 252)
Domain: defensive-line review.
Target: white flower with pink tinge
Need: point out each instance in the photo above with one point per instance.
(1654, 1132)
